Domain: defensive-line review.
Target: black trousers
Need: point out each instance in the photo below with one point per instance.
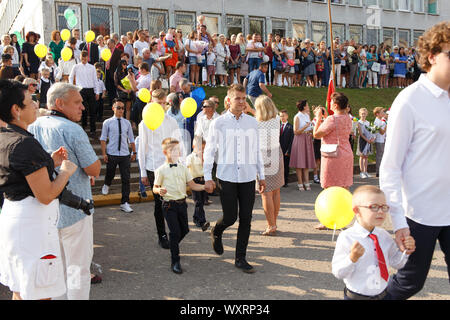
(270, 74)
(177, 221)
(100, 103)
(410, 279)
(110, 87)
(237, 200)
(90, 107)
(199, 198)
(158, 213)
(1, 200)
(124, 167)
(286, 160)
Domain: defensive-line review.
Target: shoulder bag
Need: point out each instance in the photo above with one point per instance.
(330, 150)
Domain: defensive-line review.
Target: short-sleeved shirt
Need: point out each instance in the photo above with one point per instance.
(110, 133)
(175, 81)
(140, 45)
(20, 156)
(254, 78)
(174, 180)
(55, 132)
(195, 165)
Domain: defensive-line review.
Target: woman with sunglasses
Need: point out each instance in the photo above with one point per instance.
(124, 89)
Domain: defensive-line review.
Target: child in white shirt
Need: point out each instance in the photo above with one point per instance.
(380, 136)
(365, 251)
(211, 66)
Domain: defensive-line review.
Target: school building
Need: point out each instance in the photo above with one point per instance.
(398, 22)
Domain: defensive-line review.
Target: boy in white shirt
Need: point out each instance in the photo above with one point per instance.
(364, 252)
(380, 136)
(100, 94)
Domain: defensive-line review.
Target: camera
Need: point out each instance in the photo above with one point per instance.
(73, 201)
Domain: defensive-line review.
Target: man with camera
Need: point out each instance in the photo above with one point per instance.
(75, 226)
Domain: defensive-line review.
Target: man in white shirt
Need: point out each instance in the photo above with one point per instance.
(234, 137)
(204, 121)
(414, 174)
(141, 44)
(84, 76)
(151, 157)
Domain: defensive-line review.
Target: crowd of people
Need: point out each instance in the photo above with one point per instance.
(245, 150)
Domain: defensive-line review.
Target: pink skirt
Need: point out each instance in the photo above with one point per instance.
(302, 153)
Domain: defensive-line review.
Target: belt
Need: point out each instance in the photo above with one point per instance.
(356, 296)
(181, 201)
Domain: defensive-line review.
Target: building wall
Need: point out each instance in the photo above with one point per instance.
(272, 13)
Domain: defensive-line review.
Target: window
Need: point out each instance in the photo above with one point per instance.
(418, 6)
(372, 36)
(355, 33)
(319, 32)
(339, 31)
(403, 5)
(129, 19)
(185, 21)
(157, 21)
(279, 27)
(61, 22)
(212, 23)
(372, 3)
(388, 4)
(235, 25)
(299, 29)
(432, 6)
(388, 37)
(256, 25)
(354, 2)
(403, 38)
(100, 19)
(416, 35)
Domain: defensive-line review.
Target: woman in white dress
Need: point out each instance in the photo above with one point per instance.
(223, 55)
(269, 137)
(30, 254)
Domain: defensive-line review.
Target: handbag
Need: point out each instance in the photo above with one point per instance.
(330, 150)
(376, 67)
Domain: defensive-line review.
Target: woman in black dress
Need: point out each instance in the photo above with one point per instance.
(31, 61)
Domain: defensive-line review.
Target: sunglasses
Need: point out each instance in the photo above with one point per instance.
(34, 85)
(120, 108)
(376, 207)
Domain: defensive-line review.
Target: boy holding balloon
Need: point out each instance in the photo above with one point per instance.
(364, 252)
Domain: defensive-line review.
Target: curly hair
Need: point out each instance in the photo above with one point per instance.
(431, 42)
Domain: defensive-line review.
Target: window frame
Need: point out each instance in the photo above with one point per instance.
(414, 6)
(361, 36)
(305, 22)
(325, 33)
(139, 19)
(68, 4)
(219, 20)
(285, 26)
(227, 26)
(190, 13)
(158, 11)
(111, 17)
(263, 21)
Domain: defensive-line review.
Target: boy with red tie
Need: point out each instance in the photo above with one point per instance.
(364, 252)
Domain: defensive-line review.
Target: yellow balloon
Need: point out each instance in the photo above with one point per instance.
(153, 116)
(106, 54)
(66, 54)
(65, 34)
(334, 207)
(188, 107)
(40, 50)
(144, 95)
(90, 36)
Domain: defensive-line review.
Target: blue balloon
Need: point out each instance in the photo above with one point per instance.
(198, 94)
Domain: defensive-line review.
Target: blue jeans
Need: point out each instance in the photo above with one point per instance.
(253, 63)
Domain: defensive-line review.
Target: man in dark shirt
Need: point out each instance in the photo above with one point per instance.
(255, 83)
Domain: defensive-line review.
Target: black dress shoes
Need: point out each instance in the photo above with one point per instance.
(176, 268)
(205, 226)
(164, 242)
(216, 242)
(244, 266)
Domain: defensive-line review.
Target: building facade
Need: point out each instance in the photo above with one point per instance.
(398, 22)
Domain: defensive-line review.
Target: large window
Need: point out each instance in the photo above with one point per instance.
(130, 20)
(354, 2)
(185, 21)
(418, 6)
(432, 6)
(212, 23)
(157, 21)
(235, 25)
(371, 3)
(403, 38)
(388, 4)
(319, 32)
(339, 31)
(372, 36)
(279, 27)
(356, 33)
(403, 5)
(299, 29)
(388, 37)
(100, 19)
(416, 35)
(256, 25)
(61, 22)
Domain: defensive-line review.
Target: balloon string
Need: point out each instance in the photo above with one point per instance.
(334, 232)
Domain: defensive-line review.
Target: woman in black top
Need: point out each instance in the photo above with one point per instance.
(30, 257)
(126, 95)
(31, 61)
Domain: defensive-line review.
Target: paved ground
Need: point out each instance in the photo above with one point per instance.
(296, 264)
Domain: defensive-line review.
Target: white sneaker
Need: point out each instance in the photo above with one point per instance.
(362, 175)
(105, 190)
(367, 175)
(126, 207)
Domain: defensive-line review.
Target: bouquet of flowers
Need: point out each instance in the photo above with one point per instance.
(372, 128)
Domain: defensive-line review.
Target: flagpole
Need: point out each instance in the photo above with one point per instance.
(332, 44)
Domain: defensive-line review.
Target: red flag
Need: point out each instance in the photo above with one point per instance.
(331, 89)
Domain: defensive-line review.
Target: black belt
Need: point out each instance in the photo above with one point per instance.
(181, 201)
(356, 296)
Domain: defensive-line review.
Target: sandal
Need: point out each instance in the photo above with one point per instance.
(96, 279)
(308, 186)
(301, 187)
(270, 231)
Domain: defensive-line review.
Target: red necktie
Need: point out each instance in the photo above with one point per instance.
(89, 51)
(282, 129)
(381, 262)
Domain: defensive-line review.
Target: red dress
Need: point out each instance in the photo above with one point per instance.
(337, 172)
(171, 61)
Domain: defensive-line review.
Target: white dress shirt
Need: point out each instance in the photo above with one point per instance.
(413, 173)
(380, 138)
(150, 152)
(363, 277)
(236, 142)
(85, 76)
(99, 87)
(203, 124)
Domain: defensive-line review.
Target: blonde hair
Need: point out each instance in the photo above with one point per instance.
(265, 108)
(362, 191)
(169, 143)
(159, 94)
(363, 109)
(377, 110)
